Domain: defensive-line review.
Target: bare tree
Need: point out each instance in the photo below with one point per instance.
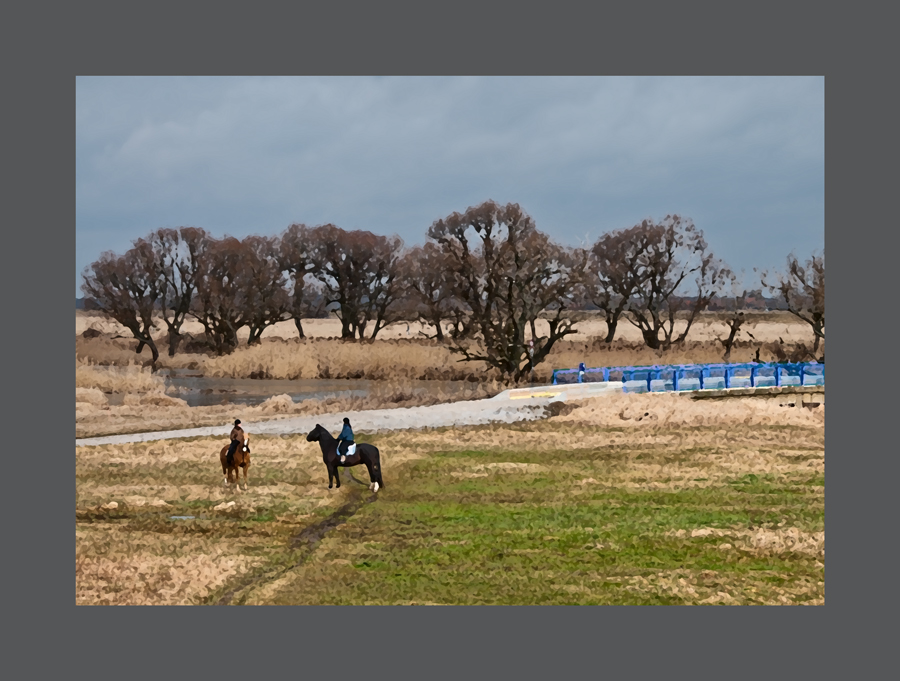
(802, 287)
(734, 300)
(359, 272)
(676, 276)
(382, 289)
(508, 273)
(126, 288)
(220, 303)
(307, 299)
(265, 300)
(178, 253)
(615, 271)
(429, 283)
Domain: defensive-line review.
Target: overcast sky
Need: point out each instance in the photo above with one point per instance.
(743, 157)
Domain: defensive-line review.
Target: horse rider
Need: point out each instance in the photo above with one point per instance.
(345, 439)
(238, 437)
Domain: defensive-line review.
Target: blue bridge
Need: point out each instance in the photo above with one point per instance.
(677, 377)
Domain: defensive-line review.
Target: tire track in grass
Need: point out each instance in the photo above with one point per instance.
(307, 540)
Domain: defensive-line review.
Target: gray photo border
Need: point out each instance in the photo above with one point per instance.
(47, 49)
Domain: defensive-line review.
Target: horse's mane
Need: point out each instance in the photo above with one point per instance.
(324, 433)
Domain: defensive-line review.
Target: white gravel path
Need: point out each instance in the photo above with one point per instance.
(474, 412)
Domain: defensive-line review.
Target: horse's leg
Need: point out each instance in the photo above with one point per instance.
(371, 475)
(246, 468)
(330, 476)
(376, 467)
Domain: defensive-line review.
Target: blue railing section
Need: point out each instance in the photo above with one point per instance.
(672, 377)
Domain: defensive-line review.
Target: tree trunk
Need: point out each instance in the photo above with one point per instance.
(347, 331)
(651, 338)
(174, 342)
(610, 330)
(150, 344)
(735, 326)
(299, 325)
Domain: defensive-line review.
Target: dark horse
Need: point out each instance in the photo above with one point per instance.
(365, 453)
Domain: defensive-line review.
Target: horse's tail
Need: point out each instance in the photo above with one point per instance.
(376, 465)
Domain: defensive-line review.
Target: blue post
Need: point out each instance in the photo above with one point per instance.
(777, 375)
(802, 366)
(675, 380)
(727, 382)
(753, 377)
(606, 374)
(649, 378)
(701, 377)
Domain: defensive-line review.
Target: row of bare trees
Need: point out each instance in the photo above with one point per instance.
(486, 275)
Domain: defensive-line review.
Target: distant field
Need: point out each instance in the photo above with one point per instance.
(625, 499)
(766, 326)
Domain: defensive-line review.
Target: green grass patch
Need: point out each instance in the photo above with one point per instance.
(516, 535)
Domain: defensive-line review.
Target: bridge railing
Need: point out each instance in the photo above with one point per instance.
(678, 377)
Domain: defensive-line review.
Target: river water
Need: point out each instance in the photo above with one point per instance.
(204, 391)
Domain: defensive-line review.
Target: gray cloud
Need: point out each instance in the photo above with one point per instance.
(744, 157)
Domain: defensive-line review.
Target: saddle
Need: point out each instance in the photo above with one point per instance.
(344, 449)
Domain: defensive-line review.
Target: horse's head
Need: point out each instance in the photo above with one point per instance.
(247, 443)
(315, 434)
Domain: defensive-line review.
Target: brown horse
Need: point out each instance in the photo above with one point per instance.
(365, 453)
(241, 461)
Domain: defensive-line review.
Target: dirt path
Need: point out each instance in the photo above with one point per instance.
(473, 412)
(306, 541)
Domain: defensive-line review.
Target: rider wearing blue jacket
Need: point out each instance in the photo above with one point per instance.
(345, 439)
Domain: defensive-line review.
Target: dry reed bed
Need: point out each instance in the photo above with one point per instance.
(130, 378)
(398, 359)
(662, 410)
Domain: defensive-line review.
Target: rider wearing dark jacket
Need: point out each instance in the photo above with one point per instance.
(345, 439)
(237, 438)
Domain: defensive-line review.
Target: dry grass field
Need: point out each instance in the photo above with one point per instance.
(627, 499)
(766, 326)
